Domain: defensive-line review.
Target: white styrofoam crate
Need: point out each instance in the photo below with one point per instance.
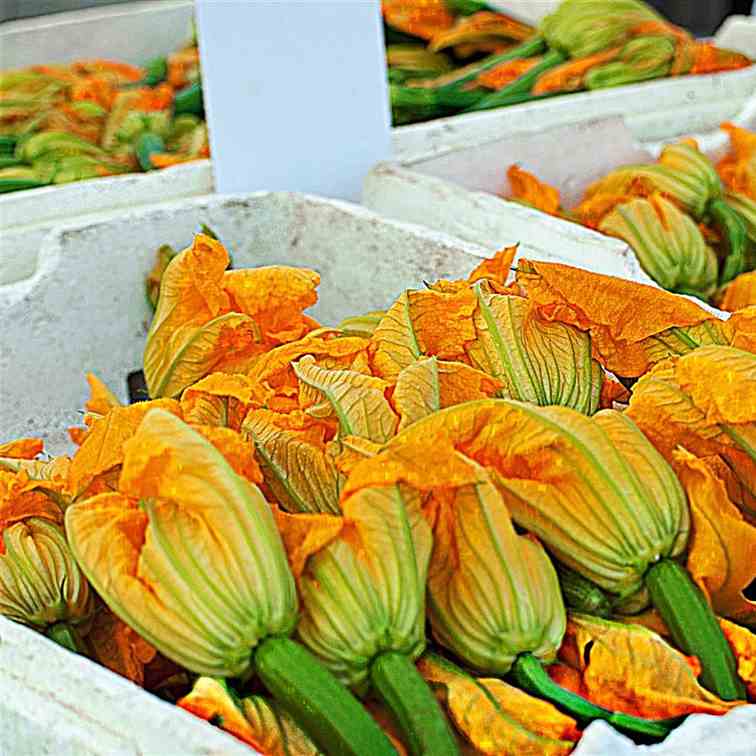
(84, 310)
(133, 34)
(454, 189)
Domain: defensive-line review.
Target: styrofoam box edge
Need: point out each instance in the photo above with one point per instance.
(652, 110)
(27, 217)
(55, 702)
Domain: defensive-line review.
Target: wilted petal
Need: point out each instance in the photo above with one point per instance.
(394, 343)
(526, 188)
(739, 293)
(497, 268)
(539, 361)
(272, 374)
(219, 399)
(632, 325)
(743, 644)
(631, 669)
(275, 297)
(117, 647)
(102, 450)
(300, 474)
(703, 401)
(210, 700)
(22, 448)
(495, 718)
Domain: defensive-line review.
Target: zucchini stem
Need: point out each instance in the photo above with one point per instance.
(521, 85)
(527, 49)
(330, 715)
(529, 674)
(423, 724)
(65, 635)
(694, 628)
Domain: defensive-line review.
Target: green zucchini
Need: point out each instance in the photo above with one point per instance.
(527, 49)
(423, 724)
(529, 674)
(156, 71)
(694, 628)
(7, 144)
(581, 595)
(329, 714)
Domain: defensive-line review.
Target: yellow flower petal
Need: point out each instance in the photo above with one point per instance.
(102, 449)
(632, 326)
(495, 718)
(357, 400)
(722, 554)
(300, 474)
(631, 669)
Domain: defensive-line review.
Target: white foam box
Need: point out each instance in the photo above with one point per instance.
(84, 310)
(132, 33)
(457, 189)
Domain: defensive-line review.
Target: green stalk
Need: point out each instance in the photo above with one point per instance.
(581, 595)
(189, 100)
(331, 716)
(733, 229)
(419, 717)
(65, 635)
(529, 674)
(7, 144)
(146, 145)
(155, 72)
(522, 85)
(694, 628)
(17, 184)
(527, 49)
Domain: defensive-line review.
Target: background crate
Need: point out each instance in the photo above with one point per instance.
(455, 190)
(133, 33)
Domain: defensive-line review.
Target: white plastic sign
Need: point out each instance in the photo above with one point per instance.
(295, 93)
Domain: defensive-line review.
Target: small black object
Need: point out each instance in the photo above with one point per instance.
(137, 387)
